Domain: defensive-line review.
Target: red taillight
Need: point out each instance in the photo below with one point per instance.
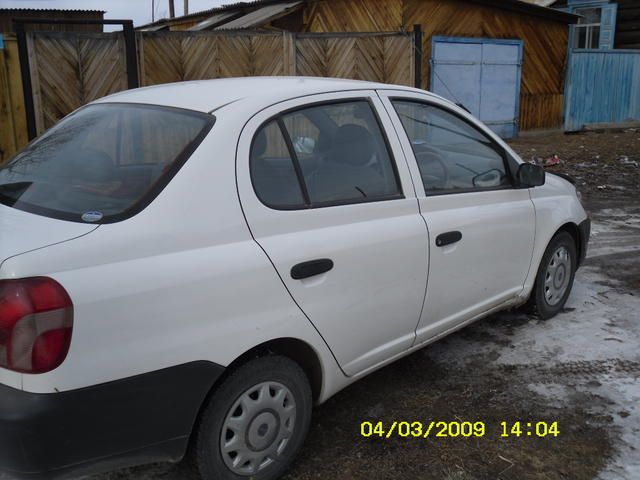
(36, 319)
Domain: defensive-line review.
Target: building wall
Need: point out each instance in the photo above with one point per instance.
(545, 41)
(628, 24)
(7, 16)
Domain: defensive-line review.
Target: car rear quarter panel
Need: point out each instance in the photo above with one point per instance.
(181, 281)
(556, 204)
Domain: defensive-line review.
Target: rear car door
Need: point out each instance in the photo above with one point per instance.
(481, 227)
(328, 196)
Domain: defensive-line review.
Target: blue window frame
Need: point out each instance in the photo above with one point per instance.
(597, 26)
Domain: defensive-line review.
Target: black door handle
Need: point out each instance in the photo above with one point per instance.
(448, 238)
(311, 268)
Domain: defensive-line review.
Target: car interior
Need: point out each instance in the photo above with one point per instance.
(341, 152)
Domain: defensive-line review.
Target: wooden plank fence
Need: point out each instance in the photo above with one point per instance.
(13, 120)
(70, 69)
(603, 86)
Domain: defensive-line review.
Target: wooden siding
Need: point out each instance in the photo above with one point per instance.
(354, 16)
(628, 24)
(545, 41)
(380, 58)
(8, 15)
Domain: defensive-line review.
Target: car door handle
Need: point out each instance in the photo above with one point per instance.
(311, 268)
(448, 238)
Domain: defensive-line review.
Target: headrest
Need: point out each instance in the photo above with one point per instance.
(353, 144)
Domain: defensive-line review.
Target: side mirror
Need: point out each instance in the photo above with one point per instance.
(530, 175)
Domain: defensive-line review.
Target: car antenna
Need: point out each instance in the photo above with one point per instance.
(455, 99)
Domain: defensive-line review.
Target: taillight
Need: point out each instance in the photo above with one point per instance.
(36, 319)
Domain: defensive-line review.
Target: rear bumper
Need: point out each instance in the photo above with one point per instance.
(584, 230)
(132, 421)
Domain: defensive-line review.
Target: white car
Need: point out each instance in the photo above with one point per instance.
(201, 262)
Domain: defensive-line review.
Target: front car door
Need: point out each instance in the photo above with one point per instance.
(328, 196)
(481, 227)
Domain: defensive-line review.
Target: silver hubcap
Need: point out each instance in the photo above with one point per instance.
(258, 428)
(557, 276)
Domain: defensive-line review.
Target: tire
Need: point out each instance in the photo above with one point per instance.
(264, 407)
(553, 283)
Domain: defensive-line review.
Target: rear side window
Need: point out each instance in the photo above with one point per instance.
(272, 169)
(103, 163)
(335, 154)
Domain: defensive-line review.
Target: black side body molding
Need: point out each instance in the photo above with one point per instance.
(137, 420)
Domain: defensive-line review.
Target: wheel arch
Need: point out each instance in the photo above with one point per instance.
(293, 348)
(572, 229)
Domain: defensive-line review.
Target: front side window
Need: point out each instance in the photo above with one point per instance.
(337, 154)
(103, 163)
(586, 33)
(452, 155)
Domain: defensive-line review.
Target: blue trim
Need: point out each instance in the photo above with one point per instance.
(1, 42)
(495, 41)
(491, 41)
(612, 51)
(578, 4)
(573, 4)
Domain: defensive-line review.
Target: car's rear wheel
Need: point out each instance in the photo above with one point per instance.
(555, 276)
(256, 421)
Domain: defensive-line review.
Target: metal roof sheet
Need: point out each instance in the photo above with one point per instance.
(214, 20)
(57, 10)
(260, 16)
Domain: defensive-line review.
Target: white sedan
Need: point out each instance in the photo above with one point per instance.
(201, 262)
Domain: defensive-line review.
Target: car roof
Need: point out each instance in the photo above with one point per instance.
(210, 95)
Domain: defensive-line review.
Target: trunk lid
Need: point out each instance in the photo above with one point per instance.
(22, 232)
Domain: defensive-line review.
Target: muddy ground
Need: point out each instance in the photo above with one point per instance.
(606, 165)
(580, 369)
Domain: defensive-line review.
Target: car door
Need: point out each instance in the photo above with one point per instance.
(327, 194)
(481, 227)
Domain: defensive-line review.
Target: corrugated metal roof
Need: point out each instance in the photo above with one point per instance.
(260, 16)
(213, 21)
(154, 28)
(542, 3)
(58, 10)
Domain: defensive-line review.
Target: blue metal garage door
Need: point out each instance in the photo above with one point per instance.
(481, 74)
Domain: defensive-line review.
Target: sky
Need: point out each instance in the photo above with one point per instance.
(137, 10)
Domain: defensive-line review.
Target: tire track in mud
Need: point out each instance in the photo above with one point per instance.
(587, 369)
(543, 373)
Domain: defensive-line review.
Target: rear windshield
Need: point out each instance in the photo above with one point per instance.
(103, 163)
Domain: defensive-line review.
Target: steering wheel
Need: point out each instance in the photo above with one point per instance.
(427, 158)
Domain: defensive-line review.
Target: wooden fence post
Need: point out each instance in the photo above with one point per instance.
(417, 55)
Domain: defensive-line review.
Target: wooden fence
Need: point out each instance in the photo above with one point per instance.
(603, 86)
(69, 69)
(13, 120)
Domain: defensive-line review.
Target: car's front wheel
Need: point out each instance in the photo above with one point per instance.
(555, 276)
(255, 422)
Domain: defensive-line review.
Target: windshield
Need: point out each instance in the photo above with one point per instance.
(103, 163)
